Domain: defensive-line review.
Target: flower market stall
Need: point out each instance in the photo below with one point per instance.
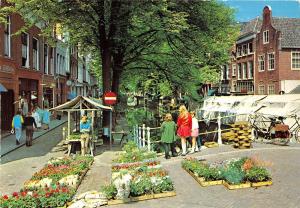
(84, 104)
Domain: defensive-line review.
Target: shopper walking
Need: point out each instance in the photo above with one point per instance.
(184, 124)
(168, 136)
(195, 132)
(28, 123)
(17, 126)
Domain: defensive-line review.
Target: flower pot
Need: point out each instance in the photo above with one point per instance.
(262, 183)
(164, 194)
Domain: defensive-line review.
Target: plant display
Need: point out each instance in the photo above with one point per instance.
(137, 173)
(55, 196)
(234, 171)
(258, 174)
(52, 186)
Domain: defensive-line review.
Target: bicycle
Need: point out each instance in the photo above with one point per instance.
(295, 129)
(276, 132)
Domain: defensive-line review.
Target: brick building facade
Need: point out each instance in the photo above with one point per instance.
(31, 68)
(266, 57)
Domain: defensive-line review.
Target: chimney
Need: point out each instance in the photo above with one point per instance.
(267, 15)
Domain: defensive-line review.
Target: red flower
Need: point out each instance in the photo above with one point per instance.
(65, 190)
(15, 194)
(35, 195)
(5, 197)
(24, 193)
(48, 194)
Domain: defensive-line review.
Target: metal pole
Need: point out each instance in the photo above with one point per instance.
(144, 137)
(69, 124)
(140, 136)
(148, 139)
(110, 127)
(219, 130)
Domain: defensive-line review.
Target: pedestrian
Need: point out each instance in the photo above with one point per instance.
(168, 135)
(85, 128)
(195, 132)
(46, 119)
(184, 124)
(17, 126)
(28, 123)
(36, 117)
(25, 107)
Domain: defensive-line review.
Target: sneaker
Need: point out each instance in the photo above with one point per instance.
(17, 142)
(183, 154)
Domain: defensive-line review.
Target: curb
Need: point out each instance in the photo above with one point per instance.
(21, 145)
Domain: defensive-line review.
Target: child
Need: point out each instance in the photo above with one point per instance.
(168, 130)
(195, 132)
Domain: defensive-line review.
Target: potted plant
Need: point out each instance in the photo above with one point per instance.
(259, 176)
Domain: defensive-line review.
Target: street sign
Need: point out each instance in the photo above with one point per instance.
(110, 98)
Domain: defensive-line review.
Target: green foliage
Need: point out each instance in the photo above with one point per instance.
(141, 186)
(238, 163)
(134, 154)
(165, 185)
(258, 174)
(234, 175)
(137, 116)
(109, 191)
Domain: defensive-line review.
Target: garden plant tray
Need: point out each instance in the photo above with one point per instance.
(238, 186)
(263, 183)
(142, 198)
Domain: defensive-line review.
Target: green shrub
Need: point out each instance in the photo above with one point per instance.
(258, 174)
(211, 174)
(141, 186)
(233, 175)
(165, 185)
(109, 191)
(238, 164)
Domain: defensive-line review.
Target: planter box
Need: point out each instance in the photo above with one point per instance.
(211, 183)
(239, 186)
(263, 183)
(142, 198)
(202, 182)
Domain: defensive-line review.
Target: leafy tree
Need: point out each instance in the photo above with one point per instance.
(176, 40)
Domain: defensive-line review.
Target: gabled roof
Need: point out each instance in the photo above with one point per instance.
(289, 28)
(81, 101)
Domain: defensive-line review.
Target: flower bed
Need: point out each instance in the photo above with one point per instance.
(234, 174)
(52, 186)
(139, 176)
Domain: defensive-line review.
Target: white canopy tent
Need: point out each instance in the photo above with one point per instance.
(87, 104)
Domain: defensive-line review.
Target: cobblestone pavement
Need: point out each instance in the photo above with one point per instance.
(285, 191)
(19, 165)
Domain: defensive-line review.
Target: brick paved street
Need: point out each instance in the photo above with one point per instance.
(19, 165)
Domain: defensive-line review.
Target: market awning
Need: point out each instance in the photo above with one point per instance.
(81, 101)
(2, 88)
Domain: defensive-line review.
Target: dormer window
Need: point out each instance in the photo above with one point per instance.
(266, 37)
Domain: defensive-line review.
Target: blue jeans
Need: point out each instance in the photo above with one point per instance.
(199, 139)
(18, 132)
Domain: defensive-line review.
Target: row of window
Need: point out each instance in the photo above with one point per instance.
(48, 52)
(244, 49)
(271, 62)
(244, 70)
(271, 89)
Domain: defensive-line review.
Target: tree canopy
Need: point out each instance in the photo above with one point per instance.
(176, 44)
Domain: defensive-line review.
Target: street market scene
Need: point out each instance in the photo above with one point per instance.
(141, 103)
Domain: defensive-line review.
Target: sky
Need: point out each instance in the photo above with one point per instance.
(249, 9)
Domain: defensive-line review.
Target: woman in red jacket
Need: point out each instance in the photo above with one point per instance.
(184, 124)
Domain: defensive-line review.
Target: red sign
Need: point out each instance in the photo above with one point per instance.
(110, 98)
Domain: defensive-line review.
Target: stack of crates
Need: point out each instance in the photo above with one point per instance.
(228, 136)
(242, 138)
